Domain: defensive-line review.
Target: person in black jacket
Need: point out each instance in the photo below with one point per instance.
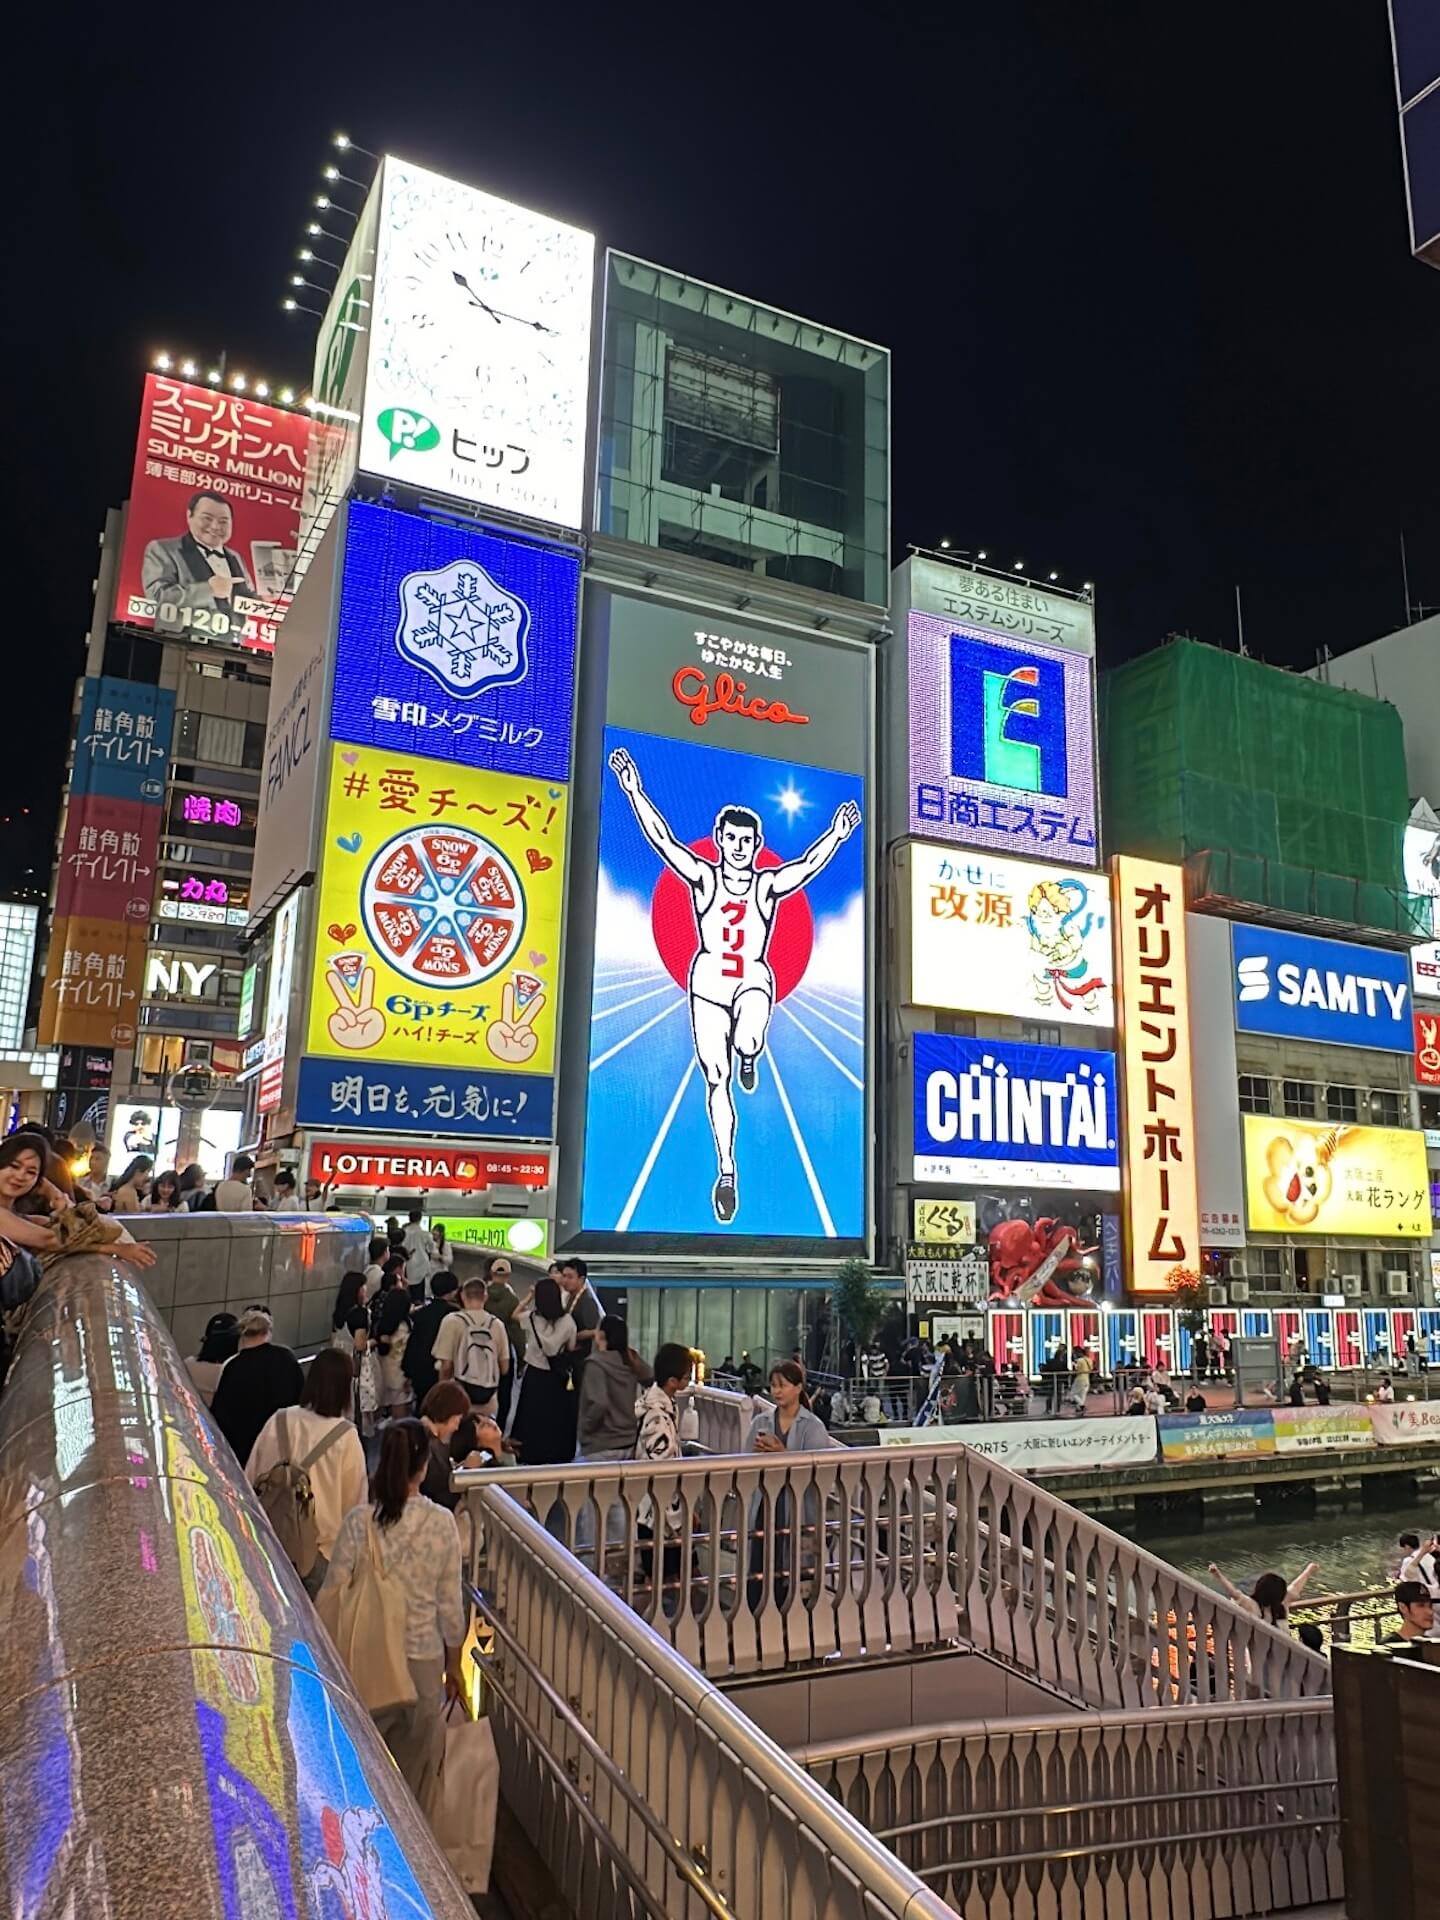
(418, 1364)
(260, 1380)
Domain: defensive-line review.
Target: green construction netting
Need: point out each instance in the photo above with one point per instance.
(1299, 786)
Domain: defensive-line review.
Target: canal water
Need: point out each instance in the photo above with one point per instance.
(1354, 1550)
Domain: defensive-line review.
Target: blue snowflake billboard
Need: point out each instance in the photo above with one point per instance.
(456, 644)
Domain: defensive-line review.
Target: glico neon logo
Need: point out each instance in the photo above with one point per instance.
(1007, 716)
(692, 689)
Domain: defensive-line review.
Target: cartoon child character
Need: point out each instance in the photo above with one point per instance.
(1067, 976)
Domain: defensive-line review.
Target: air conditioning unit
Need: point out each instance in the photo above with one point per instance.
(1397, 1281)
(516, 1203)
(1235, 1266)
(1352, 1285)
(1216, 1295)
(1239, 1290)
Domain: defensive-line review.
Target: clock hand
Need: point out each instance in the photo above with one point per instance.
(466, 287)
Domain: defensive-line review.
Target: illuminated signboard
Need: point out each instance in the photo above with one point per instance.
(17, 955)
(1001, 604)
(398, 1167)
(437, 932)
(989, 935)
(948, 1223)
(213, 520)
(1302, 988)
(730, 934)
(457, 1102)
(478, 374)
(1002, 742)
(994, 1112)
(456, 644)
(1162, 1207)
(277, 1005)
(1308, 1178)
(1422, 876)
(1427, 1048)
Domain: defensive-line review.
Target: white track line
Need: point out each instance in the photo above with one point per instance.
(815, 1041)
(815, 1194)
(835, 1006)
(622, 1225)
(630, 980)
(620, 1005)
(855, 1039)
(680, 1000)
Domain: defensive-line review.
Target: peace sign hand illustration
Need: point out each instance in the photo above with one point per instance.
(512, 1038)
(355, 1024)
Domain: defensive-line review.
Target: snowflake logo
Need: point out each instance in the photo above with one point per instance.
(462, 629)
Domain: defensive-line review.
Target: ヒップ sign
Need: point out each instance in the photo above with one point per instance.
(1162, 1208)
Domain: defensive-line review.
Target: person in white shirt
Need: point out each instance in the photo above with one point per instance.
(337, 1476)
(234, 1193)
(374, 1269)
(545, 1420)
(419, 1250)
(419, 1545)
(1421, 1561)
(472, 1347)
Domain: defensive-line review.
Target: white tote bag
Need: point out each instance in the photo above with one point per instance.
(365, 1617)
(467, 1801)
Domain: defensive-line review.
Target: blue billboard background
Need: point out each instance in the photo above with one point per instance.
(122, 743)
(451, 1101)
(1072, 1131)
(1301, 988)
(650, 1156)
(455, 644)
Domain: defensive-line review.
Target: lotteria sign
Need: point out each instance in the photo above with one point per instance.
(990, 1111)
(1301, 988)
(398, 1168)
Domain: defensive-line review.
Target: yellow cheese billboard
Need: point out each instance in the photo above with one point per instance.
(1302, 1177)
(437, 938)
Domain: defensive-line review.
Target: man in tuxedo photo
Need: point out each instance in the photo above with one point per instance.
(197, 568)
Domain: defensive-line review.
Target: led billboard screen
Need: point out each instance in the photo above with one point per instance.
(1002, 742)
(989, 935)
(1304, 1178)
(1010, 1115)
(456, 644)
(1302, 988)
(1422, 876)
(730, 935)
(213, 522)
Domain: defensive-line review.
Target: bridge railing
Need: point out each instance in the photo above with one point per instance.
(724, 1417)
(644, 1789)
(1155, 1814)
(763, 1562)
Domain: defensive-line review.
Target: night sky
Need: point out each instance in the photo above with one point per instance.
(1144, 270)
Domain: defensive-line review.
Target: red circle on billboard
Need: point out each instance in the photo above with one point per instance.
(677, 940)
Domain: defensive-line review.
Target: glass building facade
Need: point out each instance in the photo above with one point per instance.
(736, 434)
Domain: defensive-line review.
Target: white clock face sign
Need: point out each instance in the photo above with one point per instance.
(480, 349)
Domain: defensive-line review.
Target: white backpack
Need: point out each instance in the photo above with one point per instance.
(477, 1360)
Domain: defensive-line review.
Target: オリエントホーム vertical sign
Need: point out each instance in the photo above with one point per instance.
(1162, 1209)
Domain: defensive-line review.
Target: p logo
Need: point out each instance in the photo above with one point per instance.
(408, 432)
(1007, 716)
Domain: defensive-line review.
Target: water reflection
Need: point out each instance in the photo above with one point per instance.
(1354, 1550)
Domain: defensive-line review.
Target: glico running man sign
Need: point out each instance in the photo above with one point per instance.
(730, 935)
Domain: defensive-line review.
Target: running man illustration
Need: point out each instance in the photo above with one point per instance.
(731, 986)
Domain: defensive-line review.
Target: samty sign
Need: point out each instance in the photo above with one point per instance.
(1162, 1206)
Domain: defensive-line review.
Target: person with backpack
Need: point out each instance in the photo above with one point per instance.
(392, 1603)
(308, 1467)
(418, 1364)
(545, 1421)
(471, 1348)
(503, 1301)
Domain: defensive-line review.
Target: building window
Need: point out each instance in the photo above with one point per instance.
(1254, 1094)
(1298, 1099)
(1037, 1036)
(961, 1024)
(1385, 1109)
(1341, 1103)
(741, 435)
(1265, 1266)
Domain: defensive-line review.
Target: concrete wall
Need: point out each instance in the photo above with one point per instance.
(1403, 668)
(224, 1262)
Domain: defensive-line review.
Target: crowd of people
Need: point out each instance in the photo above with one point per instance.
(353, 1458)
(137, 1188)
